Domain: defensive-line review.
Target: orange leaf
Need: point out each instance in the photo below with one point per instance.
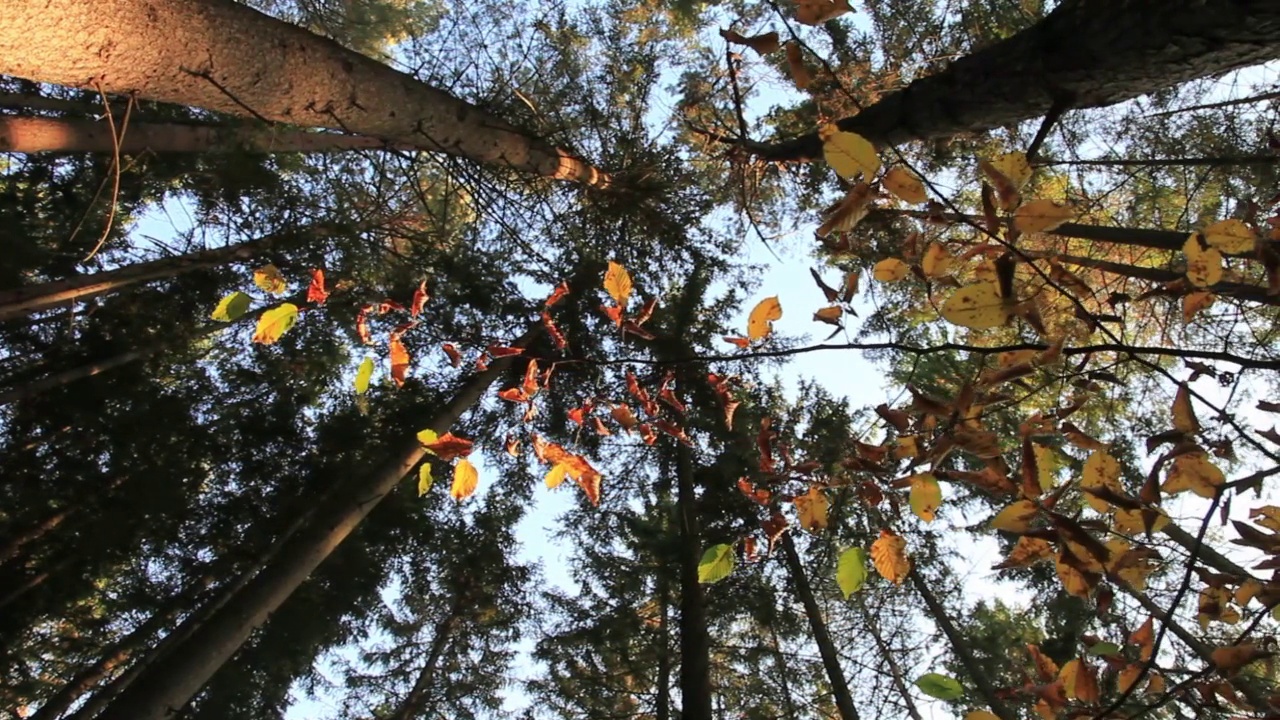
(795, 63)
(599, 427)
(315, 291)
(419, 299)
(556, 336)
(762, 44)
(561, 291)
(889, 554)
(501, 351)
(647, 434)
(813, 507)
(614, 312)
(530, 385)
(617, 282)
(455, 358)
(741, 342)
(399, 360)
(362, 325)
(449, 446)
(760, 496)
(465, 480)
(515, 395)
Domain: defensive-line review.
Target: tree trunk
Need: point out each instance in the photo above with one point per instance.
(662, 711)
(33, 298)
(166, 688)
(224, 56)
(73, 135)
(695, 641)
(818, 625)
(413, 703)
(895, 670)
(780, 661)
(1084, 54)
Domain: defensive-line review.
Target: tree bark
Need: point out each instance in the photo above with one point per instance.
(818, 626)
(1084, 54)
(224, 56)
(662, 711)
(73, 135)
(166, 688)
(695, 641)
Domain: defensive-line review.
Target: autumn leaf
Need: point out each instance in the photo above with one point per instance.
(1184, 415)
(1015, 518)
(363, 374)
(465, 480)
(812, 507)
(446, 447)
(1080, 681)
(1230, 236)
(716, 564)
(1193, 303)
(760, 322)
(269, 279)
(1027, 552)
(890, 270)
(905, 184)
(556, 475)
(763, 44)
(1195, 472)
(1008, 174)
(977, 307)
(1204, 264)
(617, 282)
(846, 214)
(274, 323)
(1101, 470)
(889, 553)
(981, 715)
(849, 154)
(362, 325)
(560, 292)
(231, 307)
(829, 315)
(1233, 657)
(425, 480)
(1042, 216)
(851, 570)
(455, 357)
(399, 360)
(800, 74)
(316, 293)
(419, 299)
(941, 687)
(816, 12)
(925, 496)
(936, 261)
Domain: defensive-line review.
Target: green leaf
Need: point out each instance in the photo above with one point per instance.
(1104, 649)
(940, 686)
(424, 479)
(427, 437)
(231, 307)
(363, 375)
(716, 563)
(851, 570)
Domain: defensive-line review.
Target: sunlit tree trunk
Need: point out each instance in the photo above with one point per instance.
(224, 56)
(695, 641)
(70, 135)
(818, 626)
(166, 687)
(1084, 54)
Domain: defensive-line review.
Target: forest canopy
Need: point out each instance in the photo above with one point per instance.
(622, 359)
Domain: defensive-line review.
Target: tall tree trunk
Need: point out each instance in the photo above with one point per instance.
(695, 641)
(224, 56)
(662, 711)
(71, 135)
(166, 688)
(1084, 54)
(414, 703)
(818, 626)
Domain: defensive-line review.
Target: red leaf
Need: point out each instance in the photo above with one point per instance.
(387, 306)
(757, 495)
(399, 360)
(512, 446)
(741, 342)
(647, 434)
(614, 312)
(674, 431)
(455, 358)
(646, 312)
(667, 395)
(419, 299)
(515, 395)
(315, 291)
(530, 385)
(631, 327)
(599, 426)
(362, 325)
(578, 414)
(556, 336)
(501, 351)
(449, 446)
(482, 362)
(403, 328)
(557, 295)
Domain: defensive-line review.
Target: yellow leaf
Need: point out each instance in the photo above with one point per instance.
(617, 282)
(906, 446)
(268, 278)
(1027, 551)
(1073, 581)
(936, 261)
(1132, 522)
(1079, 681)
(760, 322)
(274, 323)
(889, 553)
(556, 475)
(1016, 518)
(926, 496)
(816, 12)
(977, 307)
(1128, 676)
(425, 481)
(981, 715)
(846, 214)
(1193, 303)
(1015, 357)
(1046, 464)
(1184, 416)
(812, 507)
(1100, 471)
(849, 154)
(363, 375)
(1193, 471)
(1230, 236)
(1014, 167)
(231, 307)
(1042, 216)
(1204, 265)
(890, 270)
(762, 44)
(830, 315)
(465, 479)
(904, 183)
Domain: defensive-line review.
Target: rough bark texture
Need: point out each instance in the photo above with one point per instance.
(818, 626)
(67, 135)
(164, 689)
(695, 641)
(224, 56)
(1086, 53)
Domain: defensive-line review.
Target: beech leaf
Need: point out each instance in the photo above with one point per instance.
(274, 323)
(926, 496)
(977, 307)
(425, 480)
(1042, 216)
(760, 322)
(269, 279)
(889, 553)
(851, 570)
(231, 307)
(465, 480)
(941, 687)
(617, 282)
(1230, 236)
(716, 563)
(363, 375)
(890, 270)
(849, 154)
(906, 185)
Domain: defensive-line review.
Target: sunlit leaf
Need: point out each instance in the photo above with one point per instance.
(427, 438)
(849, 154)
(830, 315)
(363, 375)
(399, 360)
(1026, 552)
(846, 214)
(1195, 472)
(1233, 657)
(1042, 216)
(889, 553)
(812, 508)
(556, 475)
(816, 12)
(446, 447)
(420, 298)
(1015, 518)
(425, 480)
(926, 496)
(760, 322)
(981, 715)
(269, 279)
(1230, 236)
(1193, 303)
(978, 307)
(231, 307)
(465, 480)
(851, 570)
(716, 564)
(937, 261)
(941, 687)
(1080, 680)
(890, 270)
(800, 74)
(617, 282)
(1204, 265)
(762, 44)
(1184, 415)
(1101, 470)
(316, 292)
(905, 184)
(274, 323)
